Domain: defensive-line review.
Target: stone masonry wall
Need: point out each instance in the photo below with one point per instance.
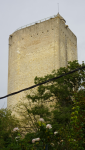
(36, 51)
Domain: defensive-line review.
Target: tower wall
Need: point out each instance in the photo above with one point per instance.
(36, 51)
(68, 44)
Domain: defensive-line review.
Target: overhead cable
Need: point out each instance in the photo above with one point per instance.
(31, 87)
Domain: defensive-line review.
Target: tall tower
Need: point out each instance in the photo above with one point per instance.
(37, 50)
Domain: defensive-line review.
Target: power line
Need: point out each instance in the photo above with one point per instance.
(31, 87)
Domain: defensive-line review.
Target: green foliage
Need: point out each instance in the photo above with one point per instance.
(39, 110)
(61, 117)
(7, 123)
(61, 90)
(63, 87)
(67, 117)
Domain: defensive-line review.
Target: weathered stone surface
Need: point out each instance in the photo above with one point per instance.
(36, 51)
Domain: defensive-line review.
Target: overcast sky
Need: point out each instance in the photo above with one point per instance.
(17, 13)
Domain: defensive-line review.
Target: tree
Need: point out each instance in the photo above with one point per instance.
(66, 115)
(60, 90)
(7, 123)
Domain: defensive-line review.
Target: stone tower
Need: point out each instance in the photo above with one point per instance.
(37, 50)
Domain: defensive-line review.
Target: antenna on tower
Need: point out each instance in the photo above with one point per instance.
(58, 8)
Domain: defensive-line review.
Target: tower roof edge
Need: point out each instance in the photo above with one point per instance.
(59, 16)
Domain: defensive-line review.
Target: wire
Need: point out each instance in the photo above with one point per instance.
(31, 87)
